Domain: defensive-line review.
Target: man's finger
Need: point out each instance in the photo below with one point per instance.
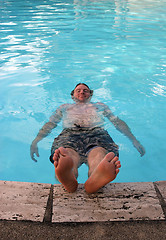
(34, 159)
(32, 156)
(142, 152)
(37, 152)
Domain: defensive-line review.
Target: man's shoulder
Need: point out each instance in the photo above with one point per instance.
(100, 104)
(64, 106)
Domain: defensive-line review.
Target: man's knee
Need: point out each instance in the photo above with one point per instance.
(76, 160)
(95, 156)
(97, 151)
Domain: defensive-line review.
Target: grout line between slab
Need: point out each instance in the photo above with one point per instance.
(161, 199)
(49, 207)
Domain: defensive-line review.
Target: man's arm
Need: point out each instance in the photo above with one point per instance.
(123, 128)
(43, 132)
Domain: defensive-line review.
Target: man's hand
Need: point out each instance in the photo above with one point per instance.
(34, 150)
(139, 147)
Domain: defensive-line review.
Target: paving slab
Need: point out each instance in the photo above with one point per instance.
(114, 202)
(23, 201)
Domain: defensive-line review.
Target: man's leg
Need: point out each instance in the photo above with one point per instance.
(66, 162)
(103, 168)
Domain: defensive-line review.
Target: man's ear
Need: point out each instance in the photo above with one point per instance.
(72, 93)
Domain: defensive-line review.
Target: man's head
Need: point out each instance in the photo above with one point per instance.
(81, 93)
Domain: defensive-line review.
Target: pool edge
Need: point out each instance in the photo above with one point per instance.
(39, 202)
(38, 219)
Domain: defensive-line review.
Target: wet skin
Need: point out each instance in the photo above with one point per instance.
(103, 166)
(105, 172)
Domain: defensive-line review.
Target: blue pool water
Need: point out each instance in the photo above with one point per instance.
(116, 47)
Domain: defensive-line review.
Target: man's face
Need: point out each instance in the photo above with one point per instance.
(82, 93)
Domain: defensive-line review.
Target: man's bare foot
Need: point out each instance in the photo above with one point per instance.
(64, 169)
(104, 173)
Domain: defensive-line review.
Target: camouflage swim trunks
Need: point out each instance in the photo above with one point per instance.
(83, 140)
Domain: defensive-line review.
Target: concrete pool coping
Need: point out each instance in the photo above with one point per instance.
(138, 207)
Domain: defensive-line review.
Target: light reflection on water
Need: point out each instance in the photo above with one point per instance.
(117, 47)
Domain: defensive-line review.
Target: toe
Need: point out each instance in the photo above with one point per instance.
(117, 164)
(117, 171)
(63, 151)
(115, 160)
(57, 151)
(55, 156)
(55, 164)
(109, 156)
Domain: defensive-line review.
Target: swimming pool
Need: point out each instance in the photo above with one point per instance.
(116, 47)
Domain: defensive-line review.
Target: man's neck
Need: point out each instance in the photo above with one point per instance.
(77, 101)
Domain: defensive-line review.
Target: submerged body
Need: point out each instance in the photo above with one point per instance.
(83, 126)
(85, 115)
(84, 136)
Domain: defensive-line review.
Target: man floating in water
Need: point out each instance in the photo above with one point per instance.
(84, 140)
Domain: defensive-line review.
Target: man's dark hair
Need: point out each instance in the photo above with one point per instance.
(91, 91)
